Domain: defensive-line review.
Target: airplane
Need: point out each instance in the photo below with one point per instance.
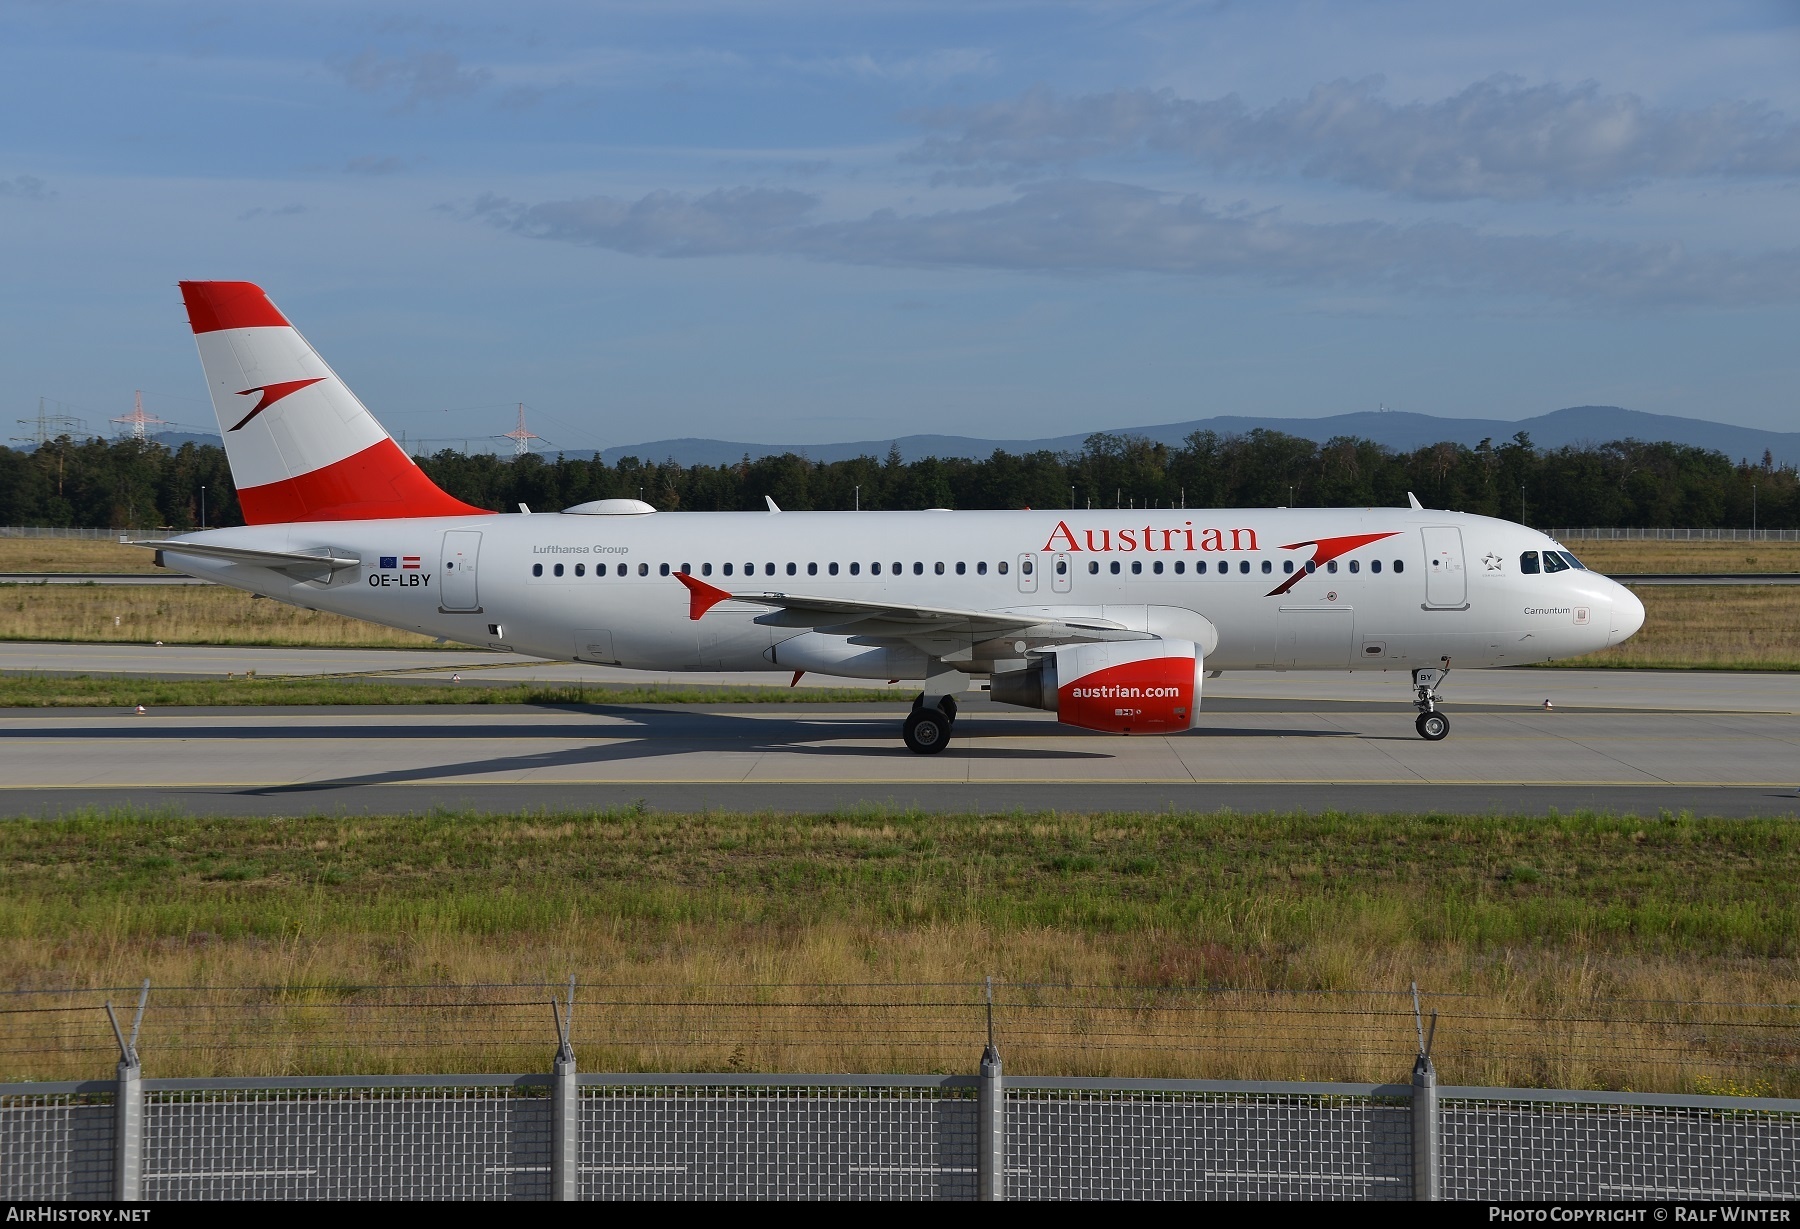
(1110, 619)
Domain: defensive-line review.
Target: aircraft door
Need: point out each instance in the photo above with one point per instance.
(1446, 583)
(457, 588)
(1028, 570)
(1061, 572)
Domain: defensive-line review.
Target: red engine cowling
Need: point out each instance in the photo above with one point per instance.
(1124, 687)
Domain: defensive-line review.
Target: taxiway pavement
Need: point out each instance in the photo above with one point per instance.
(1251, 753)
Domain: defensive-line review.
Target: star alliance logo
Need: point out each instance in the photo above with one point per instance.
(1492, 561)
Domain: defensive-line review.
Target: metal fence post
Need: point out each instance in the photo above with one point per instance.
(1426, 1142)
(128, 1108)
(990, 1117)
(565, 1110)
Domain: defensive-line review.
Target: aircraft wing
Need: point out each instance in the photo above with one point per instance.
(901, 621)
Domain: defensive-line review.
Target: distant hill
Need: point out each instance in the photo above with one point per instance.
(1582, 424)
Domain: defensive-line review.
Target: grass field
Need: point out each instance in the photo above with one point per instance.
(75, 555)
(1701, 628)
(125, 691)
(1581, 947)
(1652, 557)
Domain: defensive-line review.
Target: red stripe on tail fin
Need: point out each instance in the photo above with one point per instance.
(380, 483)
(212, 306)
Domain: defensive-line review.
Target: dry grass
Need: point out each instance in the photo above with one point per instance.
(1652, 557)
(74, 555)
(181, 614)
(1570, 952)
(1709, 627)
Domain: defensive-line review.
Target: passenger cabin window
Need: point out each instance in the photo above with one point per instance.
(557, 570)
(832, 568)
(1528, 563)
(981, 567)
(918, 568)
(1137, 567)
(1000, 567)
(1287, 565)
(1244, 567)
(962, 569)
(793, 570)
(855, 568)
(1025, 566)
(1093, 567)
(726, 569)
(581, 569)
(938, 568)
(1269, 566)
(705, 569)
(1374, 565)
(874, 569)
(1553, 562)
(1180, 567)
(1062, 567)
(768, 569)
(812, 569)
(1115, 567)
(1399, 565)
(537, 569)
(1157, 567)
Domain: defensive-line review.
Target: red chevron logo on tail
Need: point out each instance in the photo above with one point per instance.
(271, 393)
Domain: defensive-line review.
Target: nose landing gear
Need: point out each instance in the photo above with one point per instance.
(1432, 725)
(928, 726)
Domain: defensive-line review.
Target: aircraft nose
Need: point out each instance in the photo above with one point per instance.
(1627, 615)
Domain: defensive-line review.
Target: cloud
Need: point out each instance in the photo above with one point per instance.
(725, 222)
(284, 211)
(26, 187)
(375, 164)
(1083, 226)
(937, 66)
(1498, 139)
(420, 77)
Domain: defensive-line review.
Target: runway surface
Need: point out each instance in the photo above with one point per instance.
(1252, 753)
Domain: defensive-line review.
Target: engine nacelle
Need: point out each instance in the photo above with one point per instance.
(1120, 687)
(819, 653)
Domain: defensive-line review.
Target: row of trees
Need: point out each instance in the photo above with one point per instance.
(120, 484)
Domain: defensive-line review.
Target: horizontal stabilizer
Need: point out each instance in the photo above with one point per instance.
(279, 560)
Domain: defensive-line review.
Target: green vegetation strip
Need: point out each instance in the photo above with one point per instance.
(1261, 887)
(125, 691)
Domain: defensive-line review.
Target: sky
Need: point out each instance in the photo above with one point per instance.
(816, 222)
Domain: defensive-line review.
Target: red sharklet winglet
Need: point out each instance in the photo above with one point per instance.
(212, 306)
(1324, 551)
(702, 597)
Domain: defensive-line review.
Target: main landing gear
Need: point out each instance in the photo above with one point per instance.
(928, 726)
(1432, 725)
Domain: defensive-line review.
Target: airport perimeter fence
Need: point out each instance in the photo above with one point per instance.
(632, 1131)
(91, 535)
(1674, 535)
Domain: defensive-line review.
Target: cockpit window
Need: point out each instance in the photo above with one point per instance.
(1573, 561)
(1528, 563)
(1553, 562)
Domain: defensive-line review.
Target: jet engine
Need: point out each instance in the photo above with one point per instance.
(1119, 687)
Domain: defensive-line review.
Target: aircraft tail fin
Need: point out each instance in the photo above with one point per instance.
(301, 446)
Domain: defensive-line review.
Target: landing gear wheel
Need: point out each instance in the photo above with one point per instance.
(1432, 727)
(927, 731)
(947, 706)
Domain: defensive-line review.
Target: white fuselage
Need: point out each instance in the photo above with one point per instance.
(600, 587)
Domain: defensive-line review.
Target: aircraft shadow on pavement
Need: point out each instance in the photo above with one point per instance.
(642, 741)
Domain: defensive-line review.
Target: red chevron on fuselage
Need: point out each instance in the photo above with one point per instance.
(1324, 551)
